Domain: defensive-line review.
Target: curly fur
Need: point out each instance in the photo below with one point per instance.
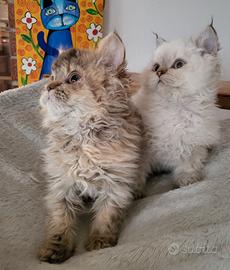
(94, 144)
(178, 106)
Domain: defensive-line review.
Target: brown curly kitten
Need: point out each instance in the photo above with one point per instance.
(94, 144)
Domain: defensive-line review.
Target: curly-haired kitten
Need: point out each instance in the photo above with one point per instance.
(94, 142)
(177, 104)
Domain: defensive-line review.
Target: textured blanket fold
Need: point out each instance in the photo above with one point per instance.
(186, 228)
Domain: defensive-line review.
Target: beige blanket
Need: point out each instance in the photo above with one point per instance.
(186, 228)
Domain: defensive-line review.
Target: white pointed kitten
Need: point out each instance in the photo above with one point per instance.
(177, 103)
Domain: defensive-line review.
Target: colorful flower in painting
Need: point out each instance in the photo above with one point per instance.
(28, 65)
(28, 20)
(94, 32)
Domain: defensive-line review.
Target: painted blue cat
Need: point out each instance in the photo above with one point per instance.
(57, 16)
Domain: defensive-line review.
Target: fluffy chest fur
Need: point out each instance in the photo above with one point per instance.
(83, 155)
(175, 124)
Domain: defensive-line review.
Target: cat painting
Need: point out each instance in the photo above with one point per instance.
(177, 104)
(57, 16)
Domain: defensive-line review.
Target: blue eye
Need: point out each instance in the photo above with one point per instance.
(70, 7)
(49, 11)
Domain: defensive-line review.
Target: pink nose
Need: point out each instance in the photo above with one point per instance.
(161, 72)
(53, 85)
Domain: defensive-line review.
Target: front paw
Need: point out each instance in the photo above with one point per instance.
(56, 250)
(97, 241)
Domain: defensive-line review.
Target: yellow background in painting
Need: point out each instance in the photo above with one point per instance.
(79, 35)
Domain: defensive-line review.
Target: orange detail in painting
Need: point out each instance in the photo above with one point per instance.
(44, 28)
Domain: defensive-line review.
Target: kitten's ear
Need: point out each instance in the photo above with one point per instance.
(208, 40)
(112, 50)
(159, 40)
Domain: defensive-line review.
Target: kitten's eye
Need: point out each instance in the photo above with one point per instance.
(73, 77)
(70, 7)
(179, 63)
(50, 11)
(155, 67)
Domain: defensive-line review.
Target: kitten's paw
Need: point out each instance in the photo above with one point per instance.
(55, 250)
(186, 179)
(97, 241)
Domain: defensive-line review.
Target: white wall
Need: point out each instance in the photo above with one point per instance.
(135, 20)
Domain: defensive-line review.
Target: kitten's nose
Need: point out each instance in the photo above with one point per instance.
(52, 85)
(161, 72)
